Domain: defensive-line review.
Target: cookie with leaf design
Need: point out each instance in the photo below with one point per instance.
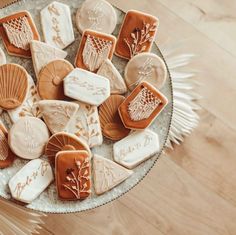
(136, 35)
(17, 31)
(94, 49)
(73, 175)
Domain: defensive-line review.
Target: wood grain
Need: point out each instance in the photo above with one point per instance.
(192, 190)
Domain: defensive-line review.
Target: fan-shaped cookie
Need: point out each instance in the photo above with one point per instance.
(28, 137)
(63, 141)
(6, 155)
(13, 86)
(145, 67)
(50, 80)
(57, 114)
(111, 124)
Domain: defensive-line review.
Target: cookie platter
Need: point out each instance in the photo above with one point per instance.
(100, 153)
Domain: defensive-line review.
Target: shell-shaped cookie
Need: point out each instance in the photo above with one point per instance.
(13, 86)
(63, 141)
(111, 124)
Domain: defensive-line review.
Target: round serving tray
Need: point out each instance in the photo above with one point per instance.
(48, 201)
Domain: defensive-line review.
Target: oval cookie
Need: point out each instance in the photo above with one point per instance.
(13, 86)
(145, 67)
(63, 141)
(28, 137)
(111, 124)
(97, 15)
(50, 80)
(6, 155)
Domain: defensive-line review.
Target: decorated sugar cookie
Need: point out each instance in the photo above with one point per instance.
(50, 79)
(73, 175)
(94, 49)
(145, 67)
(28, 137)
(136, 148)
(57, 25)
(57, 114)
(43, 53)
(28, 106)
(142, 106)
(13, 86)
(17, 31)
(112, 126)
(7, 157)
(31, 180)
(109, 71)
(63, 141)
(86, 124)
(97, 15)
(86, 87)
(107, 174)
(3, 59)
(136, 35)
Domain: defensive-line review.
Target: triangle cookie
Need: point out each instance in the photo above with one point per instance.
(57, 114)
(43, 53)
(107, 174)
(109, 71)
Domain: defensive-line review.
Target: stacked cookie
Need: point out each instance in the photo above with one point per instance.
(71, 109)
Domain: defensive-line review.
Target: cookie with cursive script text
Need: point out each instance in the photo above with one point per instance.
(145, 67)
(57, 25)
(107, 174)
(31, 180)
(7, 157)
(136, 148)
(27, 137)
(136, 35)
(63, 141)
(142, 106)
(94, 49)
(50, 79)
(17, 31)
(97, 15)
(73, 175)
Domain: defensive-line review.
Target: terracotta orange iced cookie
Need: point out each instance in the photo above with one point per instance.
(13, 86)
(94, 49)
(6, 155)
(136, 35)
(17, 31)
(50, 80)
(111, 124)
(63, 141)
(142, 106)
(73, 175)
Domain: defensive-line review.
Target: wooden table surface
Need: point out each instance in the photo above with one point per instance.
(192, 190)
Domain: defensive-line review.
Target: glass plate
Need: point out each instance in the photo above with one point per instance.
(48, 201)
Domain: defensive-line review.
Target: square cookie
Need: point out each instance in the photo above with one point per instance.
(94, 49)
(17, 31)
(142, 106)
(136, 35)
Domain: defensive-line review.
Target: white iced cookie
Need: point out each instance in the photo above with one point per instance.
(86, 124)
(97, 15)
(57, 114)
(109, 71)
(26, 109)
(31, 180)
(145, 67)
(3, 59)
(42, 53)
(57, 25)
(136, 148)
(86, 87)
(107, 174)
(28, 137)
